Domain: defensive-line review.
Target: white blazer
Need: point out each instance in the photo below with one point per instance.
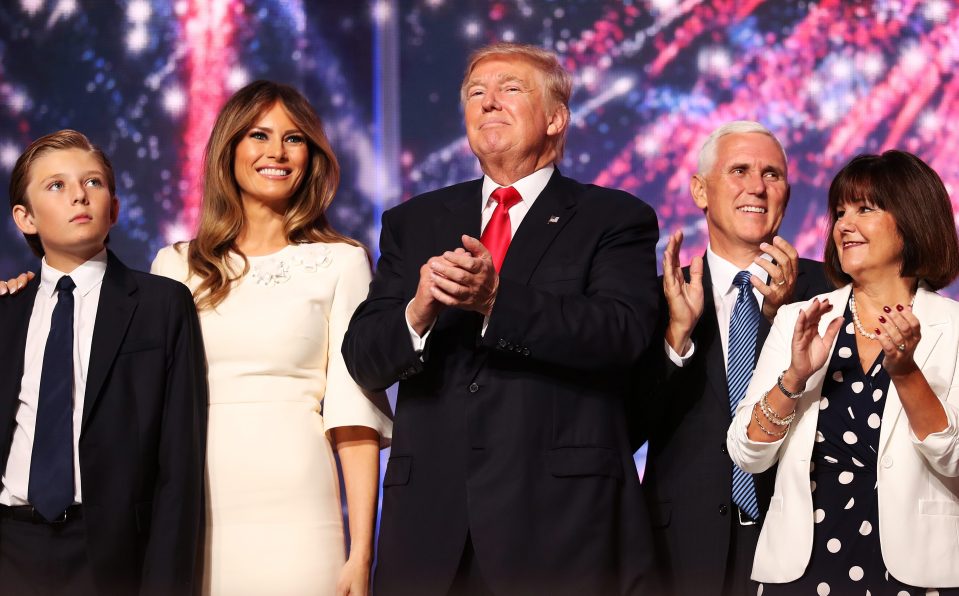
(918, 481)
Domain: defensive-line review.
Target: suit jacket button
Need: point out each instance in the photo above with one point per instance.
(502, 343)
(723, 449)
(525, 351)
(723, 509)
(402, 376)
(474, 387)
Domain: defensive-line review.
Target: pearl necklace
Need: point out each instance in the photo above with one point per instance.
(855, 317)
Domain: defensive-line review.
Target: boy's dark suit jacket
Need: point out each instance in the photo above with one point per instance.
(688, 477)
(518, 435)
(142, 439)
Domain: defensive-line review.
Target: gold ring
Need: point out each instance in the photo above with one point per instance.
(901, 347)
(781, 283)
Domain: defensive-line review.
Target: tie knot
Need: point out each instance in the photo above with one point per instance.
(506, 196)
(741, 280)
(65, 284)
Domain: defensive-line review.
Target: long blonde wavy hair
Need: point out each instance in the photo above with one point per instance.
(221, 213)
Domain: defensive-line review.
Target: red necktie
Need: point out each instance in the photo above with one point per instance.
(498, 232)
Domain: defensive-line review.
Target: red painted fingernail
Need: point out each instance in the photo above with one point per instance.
(878, 332)
(886, 309)
(899, 307)
(882, 319)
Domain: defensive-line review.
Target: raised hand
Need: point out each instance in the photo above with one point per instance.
(809, 349)
(685, 299)
(782, 275)
(899, 337)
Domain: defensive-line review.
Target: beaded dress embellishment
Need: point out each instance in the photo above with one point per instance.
(278, 268)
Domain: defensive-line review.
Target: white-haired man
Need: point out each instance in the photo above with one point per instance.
(706, 514)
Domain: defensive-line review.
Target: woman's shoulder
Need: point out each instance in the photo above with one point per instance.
(171, 261)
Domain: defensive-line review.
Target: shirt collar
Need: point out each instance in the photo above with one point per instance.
(528, 188)
(86, 276)
(722, 272)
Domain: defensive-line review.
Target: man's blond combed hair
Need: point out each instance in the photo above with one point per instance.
(557, 82)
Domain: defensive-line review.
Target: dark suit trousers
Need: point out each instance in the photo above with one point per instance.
(739, 565)
(44, 560)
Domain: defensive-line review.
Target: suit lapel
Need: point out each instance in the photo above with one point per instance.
(552, 210)
(715, 358)
(118, 302)
(463, 214)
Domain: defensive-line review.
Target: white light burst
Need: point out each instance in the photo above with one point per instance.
(237, 78)
(936, 10)
(662, 6)
(841, 69)
(471, 29)
(873, 66)
(17, 101)
(31, 7)
(139, 11)
(174, 101)
(8, 155)
(913, 59)
(381, 12)
(137, 39)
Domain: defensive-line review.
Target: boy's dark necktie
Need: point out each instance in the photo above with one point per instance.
(51, 466)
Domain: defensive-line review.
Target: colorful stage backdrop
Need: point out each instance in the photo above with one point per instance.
(145, 79)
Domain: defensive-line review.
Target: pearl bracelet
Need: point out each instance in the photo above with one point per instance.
(766, 430)
(774, 416)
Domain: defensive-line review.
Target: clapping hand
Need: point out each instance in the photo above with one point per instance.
(685, 299)
(465, 278)
(809, 349)
(782, 271)
(899, 337)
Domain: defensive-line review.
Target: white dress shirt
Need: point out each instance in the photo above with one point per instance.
(722, 273)
(88, 278)
(529, 189)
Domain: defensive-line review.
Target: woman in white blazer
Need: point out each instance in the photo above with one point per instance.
(856, 396)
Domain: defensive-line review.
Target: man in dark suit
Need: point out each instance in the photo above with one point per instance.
(706, 515)
(102, 400)
(511, 471)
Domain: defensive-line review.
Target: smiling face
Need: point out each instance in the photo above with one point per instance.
(508, 119)
(744, 194)
(271, 159)
(69, 206)
(867, 241)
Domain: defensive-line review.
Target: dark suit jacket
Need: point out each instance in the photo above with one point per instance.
(517, 436)
(688, 477)
(142, 438)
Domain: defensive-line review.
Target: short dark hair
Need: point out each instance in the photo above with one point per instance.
(904, 186)
(20, 176)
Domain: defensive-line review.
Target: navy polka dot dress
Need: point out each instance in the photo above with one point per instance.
(846, 558)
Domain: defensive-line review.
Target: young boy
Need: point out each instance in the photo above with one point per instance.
(102, 398)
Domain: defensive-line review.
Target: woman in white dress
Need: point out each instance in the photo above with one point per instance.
(276, 286)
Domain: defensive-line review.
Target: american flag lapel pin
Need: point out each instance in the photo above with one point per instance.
(552, 219)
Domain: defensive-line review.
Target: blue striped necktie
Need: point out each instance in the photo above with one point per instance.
(743, 329)
(51, 485)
